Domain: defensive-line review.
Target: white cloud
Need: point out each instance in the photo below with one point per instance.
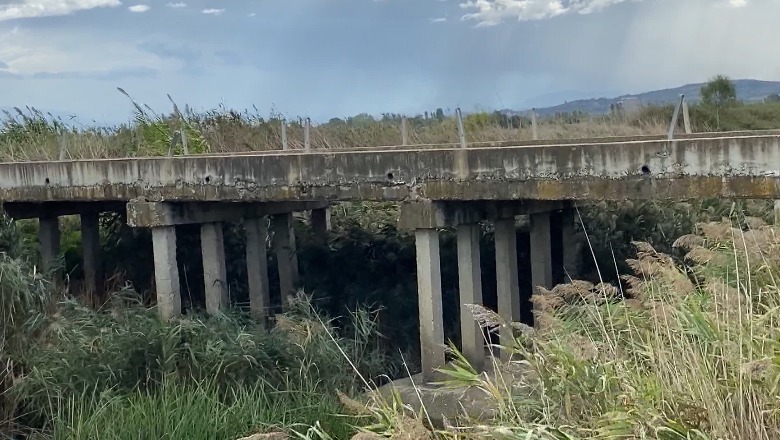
(738, 3)
(48, 8)
(44, 53)
(176, 5)
(251, 14)
(213, 11)
(139, 8)
(492, 12)
(438, 20)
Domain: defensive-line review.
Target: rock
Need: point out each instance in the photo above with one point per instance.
(267, 436)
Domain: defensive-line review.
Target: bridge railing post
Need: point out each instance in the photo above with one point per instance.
(534, 129)
(307, 135)
(461, 130)
(285, 145)
(404, 132)
(675, 118)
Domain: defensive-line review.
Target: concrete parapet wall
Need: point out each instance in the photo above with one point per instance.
(747, 166)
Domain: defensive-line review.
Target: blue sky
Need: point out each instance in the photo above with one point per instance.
(327, 58)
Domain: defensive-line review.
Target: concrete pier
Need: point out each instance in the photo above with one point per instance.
(320, 222)
(214, 271)
(470, 287)
(571, 243)
(257, 268)
(429, 300)
(166, 272)
(49, 241)
(507, 282)
(286, 257)
(94, 282)
(541, 251)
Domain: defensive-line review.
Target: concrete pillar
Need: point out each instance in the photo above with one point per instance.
(320, 221)
(571, 244)
(166, 272)
(257, 268)
(286, 257)
(541, 252)
(470, 286)
(49, 241)
(507, 282)
(777, 212)
(90, 249)
(429, 300)
(214, 272)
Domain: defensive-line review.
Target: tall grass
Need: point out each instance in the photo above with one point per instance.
(686, 352)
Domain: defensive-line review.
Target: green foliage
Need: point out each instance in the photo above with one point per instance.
(719, 92)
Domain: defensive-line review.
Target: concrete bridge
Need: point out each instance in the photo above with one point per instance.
(437, 185)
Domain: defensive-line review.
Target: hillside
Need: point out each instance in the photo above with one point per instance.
(747, 90)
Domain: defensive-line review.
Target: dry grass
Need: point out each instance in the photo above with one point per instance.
(26, 137)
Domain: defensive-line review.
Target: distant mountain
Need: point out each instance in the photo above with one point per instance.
(748, 90)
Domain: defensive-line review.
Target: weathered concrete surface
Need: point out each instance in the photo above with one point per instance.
(507, 279)
(286, 256)
(49, 241)
(452, 403)
(92, 260)
(166, 272)
(433, 214)
(212, 244)
(155, 214)
(745, 166)
(257, 268)
(429, 300)
(470, 292)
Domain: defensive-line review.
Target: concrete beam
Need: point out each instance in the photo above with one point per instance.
(470, 287)
(429, 300)
(25, 210)
(286, 255)
(257, 268)
(142, 214)
(685, 169)
(433, 214)
(166, 272)
(214, 272)
(94, 282)
(49, 241)
(507, 280)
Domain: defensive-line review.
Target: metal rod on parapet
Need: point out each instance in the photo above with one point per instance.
(686, 116)
(404, 133)
(307, 135)
(675, 118)
(461, 131)
(285, 145)
(534, 131)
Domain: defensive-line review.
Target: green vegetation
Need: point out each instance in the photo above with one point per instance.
(672, 333)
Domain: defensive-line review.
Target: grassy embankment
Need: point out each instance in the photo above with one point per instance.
(692, 354)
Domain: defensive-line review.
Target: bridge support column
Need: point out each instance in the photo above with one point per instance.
(49, 241)
(257, 268)
(508, 285)
(541, 252)
(470, 287)
(429, 300)
(90, 247)
(571, 243)
(166, 272)
(214, 271)
(320, 221)
(286, 257)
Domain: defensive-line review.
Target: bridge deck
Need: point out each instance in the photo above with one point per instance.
(737, 164)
